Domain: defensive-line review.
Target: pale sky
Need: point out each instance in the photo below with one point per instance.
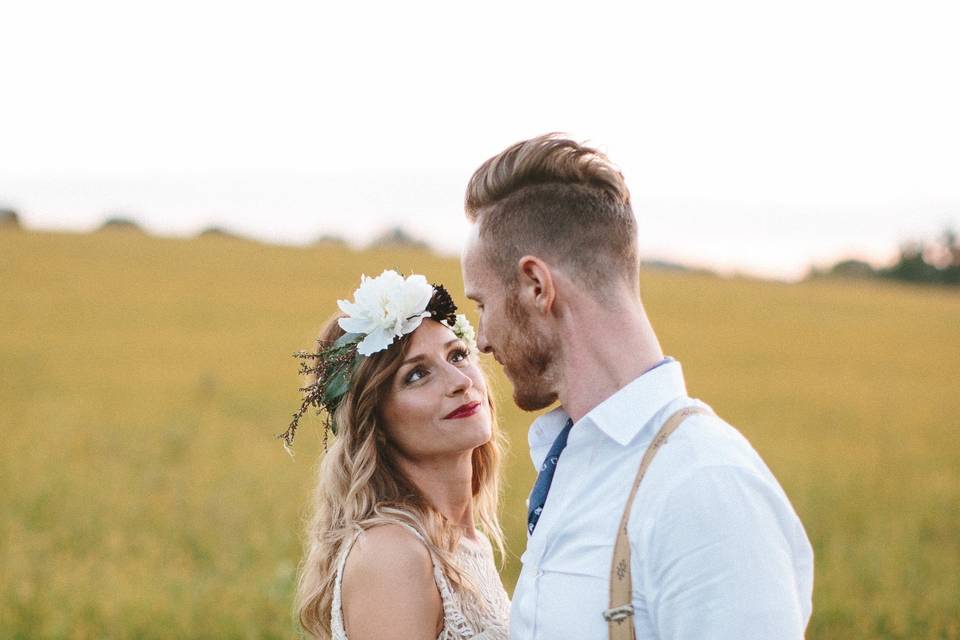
(755, 136)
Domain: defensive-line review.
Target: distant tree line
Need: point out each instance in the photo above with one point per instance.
(936, 262)
(9, 219)
(395, 237)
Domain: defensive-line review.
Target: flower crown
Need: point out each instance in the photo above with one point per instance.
(383, 309)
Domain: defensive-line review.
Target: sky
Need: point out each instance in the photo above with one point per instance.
(756, 137)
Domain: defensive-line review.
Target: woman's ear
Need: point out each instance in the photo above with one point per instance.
(536, 286)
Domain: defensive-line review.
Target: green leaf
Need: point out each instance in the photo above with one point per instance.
(337, 386)
(346, 339)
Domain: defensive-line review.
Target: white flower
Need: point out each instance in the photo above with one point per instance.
(385, 308)
(464, 330)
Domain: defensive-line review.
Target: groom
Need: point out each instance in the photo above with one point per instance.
(715, 548)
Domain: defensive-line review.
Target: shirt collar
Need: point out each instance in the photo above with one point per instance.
(622, 415)
(546, 428)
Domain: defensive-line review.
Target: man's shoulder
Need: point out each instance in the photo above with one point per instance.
(707, 455)
(703, 439)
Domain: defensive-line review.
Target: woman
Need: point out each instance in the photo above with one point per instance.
(392, 548)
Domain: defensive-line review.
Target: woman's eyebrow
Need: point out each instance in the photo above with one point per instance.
(421, 356)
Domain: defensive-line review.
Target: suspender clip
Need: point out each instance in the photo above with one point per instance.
(618, 614)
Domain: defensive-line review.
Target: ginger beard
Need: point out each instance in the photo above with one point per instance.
(528, 356)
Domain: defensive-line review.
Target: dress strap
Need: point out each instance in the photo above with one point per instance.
(453, 617)
(336, 606)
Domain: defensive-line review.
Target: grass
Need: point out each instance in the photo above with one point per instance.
(142, 380)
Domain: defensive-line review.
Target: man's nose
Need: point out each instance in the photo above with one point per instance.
(482, 345)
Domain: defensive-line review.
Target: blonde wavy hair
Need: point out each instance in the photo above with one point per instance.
(359, 485)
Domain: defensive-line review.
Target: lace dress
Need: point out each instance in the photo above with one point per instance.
(463, 617)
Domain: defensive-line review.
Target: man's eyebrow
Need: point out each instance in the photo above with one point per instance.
(422, 356)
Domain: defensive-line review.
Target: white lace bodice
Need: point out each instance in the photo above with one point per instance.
(463, 617)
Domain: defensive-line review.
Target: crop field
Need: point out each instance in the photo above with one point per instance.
(142, 380)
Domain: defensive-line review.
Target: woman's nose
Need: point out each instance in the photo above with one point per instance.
(457, 381)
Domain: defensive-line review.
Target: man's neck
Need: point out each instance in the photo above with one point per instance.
(603, 352)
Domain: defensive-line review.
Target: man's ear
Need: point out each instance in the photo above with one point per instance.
(537, 288)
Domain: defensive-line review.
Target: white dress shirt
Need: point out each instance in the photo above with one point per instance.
(717, 551)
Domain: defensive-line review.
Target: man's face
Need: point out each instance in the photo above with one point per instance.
(527, 353)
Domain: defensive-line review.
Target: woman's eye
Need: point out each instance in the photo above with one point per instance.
(459, 355)
(414, 375)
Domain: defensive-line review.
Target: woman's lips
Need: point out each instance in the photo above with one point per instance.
(463, 411)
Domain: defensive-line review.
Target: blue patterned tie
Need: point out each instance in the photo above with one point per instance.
(538, 497)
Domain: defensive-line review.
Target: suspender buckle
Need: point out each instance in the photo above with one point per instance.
(618, 614)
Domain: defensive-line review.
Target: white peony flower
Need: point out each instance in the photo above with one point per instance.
(385, 308)
(464, 330)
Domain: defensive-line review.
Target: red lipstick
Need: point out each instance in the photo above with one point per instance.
(463, 411)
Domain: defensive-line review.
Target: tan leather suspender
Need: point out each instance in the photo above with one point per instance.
(619, 615)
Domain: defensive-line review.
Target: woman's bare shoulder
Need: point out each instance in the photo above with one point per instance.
(389, 573)
(388, 547)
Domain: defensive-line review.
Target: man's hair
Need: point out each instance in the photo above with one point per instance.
(560, 200)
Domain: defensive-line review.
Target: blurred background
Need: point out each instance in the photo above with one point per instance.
(186, 189)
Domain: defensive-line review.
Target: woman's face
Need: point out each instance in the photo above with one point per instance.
(437, 402)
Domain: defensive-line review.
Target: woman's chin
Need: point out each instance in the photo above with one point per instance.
(474, 431)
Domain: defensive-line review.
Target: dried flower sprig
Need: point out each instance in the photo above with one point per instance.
(332, 366)
(386, 306)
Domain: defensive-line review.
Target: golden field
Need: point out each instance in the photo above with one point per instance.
(142, 381)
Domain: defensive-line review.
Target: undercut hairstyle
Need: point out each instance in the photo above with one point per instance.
(561, 201)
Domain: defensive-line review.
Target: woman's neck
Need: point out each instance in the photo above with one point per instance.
(447, 483)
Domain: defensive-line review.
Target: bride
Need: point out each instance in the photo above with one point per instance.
(393, 548)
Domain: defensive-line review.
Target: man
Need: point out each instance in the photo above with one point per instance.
(716, 550)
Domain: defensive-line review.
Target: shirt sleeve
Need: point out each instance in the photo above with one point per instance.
(721, 560)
